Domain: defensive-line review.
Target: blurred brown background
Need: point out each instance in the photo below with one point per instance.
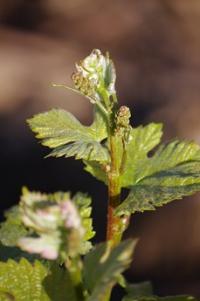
(155, 45)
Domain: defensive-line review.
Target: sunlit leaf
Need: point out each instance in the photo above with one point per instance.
(62, 132)
(171, 173)
(142, 140)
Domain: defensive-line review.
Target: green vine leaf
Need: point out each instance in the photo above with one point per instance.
(171, 173)
(141, 141)
(168, 156)
(102, 267)
(22, 281)
(62, 132)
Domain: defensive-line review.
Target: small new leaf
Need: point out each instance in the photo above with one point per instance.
(102, 267)
(62, 132)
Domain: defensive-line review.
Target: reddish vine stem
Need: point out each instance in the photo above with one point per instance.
(114, 233)
(114, 223)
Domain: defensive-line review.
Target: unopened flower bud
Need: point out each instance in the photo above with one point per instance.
(95, 76)
(123, 117)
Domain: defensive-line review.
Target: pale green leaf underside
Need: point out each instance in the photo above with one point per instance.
(62, 132)
(102, 267)
(23, 281)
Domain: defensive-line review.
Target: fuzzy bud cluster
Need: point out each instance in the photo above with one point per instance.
(122, 121)
(123, 117)
(56, 226)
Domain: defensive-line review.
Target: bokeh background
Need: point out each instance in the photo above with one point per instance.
(155, 45)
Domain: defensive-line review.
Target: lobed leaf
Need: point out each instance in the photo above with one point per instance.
(62, 132)
(171, 173)
(168, 156)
